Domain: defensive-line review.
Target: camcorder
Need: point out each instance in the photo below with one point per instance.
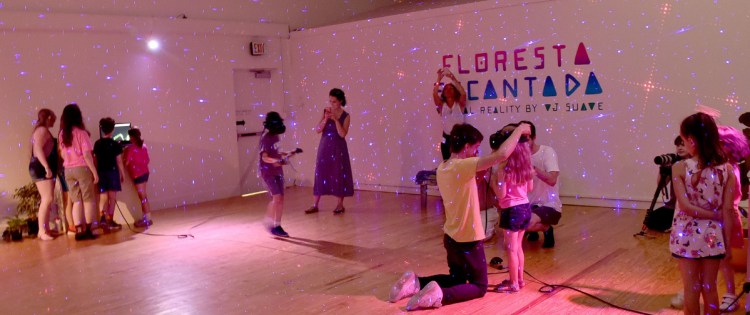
(666, 159)
(665, 162)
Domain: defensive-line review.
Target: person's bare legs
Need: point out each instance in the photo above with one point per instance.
(143, 196)
(709, 271)
(317, 201)
(699, 279)
(341, 203)
(68, 205)
(46, 190)
(274, 210)
(521, 257)
(728, 273)
(689, 271)
(511, 247)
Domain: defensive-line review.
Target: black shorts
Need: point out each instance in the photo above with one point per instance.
(275, 184)
(515, 218)
(548, 215)
(109, 181)
(719, 256)
(140, 179)
(37, 172)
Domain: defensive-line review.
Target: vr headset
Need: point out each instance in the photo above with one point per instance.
(274, 123)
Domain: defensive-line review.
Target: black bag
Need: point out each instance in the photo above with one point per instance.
(660, 219)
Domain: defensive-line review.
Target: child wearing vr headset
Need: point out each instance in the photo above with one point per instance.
(271, 160)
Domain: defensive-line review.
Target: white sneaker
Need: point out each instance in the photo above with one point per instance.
(728, 303)
(406, 286)
(430, 296)
(678, 301)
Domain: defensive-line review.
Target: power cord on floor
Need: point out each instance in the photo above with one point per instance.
(496, 263)
(147, 233)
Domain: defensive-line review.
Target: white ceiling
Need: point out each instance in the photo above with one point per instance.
(298, 14)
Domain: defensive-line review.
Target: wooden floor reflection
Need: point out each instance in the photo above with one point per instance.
(342, 264)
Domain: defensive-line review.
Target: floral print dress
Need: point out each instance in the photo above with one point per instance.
(699, 238)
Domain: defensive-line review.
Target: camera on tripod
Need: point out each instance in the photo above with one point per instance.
(666, 159)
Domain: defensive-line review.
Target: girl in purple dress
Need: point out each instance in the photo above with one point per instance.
(333, 170)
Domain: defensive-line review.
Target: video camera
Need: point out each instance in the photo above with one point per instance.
(666, 159)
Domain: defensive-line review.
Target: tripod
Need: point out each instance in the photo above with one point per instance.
(665, 175)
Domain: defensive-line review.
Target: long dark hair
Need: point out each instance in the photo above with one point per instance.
(71, 117)
(703, 130)
(135, 137)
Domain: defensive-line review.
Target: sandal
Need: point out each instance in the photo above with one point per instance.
(312, 209)
(339, 210)
(506, 287)
(521, 283)
(728, 303)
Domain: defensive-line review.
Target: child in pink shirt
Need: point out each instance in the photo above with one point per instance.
(135, 157)
(80, 172)
(511, 182)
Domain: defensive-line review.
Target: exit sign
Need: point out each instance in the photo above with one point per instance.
(257, 49)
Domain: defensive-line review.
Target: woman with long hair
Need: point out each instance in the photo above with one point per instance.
(450, 105)
(80, 171)
(43, 167)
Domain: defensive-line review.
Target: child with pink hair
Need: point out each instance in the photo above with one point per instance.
(511, 181)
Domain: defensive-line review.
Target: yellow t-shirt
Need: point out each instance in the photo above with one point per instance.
(458, 188)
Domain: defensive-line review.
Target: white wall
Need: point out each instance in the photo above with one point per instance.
(654, 60)
(181, 97)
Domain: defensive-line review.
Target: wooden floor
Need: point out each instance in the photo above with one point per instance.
(331, 265)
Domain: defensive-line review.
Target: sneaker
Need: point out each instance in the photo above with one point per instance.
(406, 286)
(430, 296)
(44, 236)
(85, 235)
(312, 209)
(532, 236)
(549, 238)
(143, 223)
(728, 303)
(112, 225)
(339, 210)
(279, 231)
(678, 301)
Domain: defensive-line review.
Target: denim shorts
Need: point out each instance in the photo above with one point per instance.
(515, 218)
(275, 184)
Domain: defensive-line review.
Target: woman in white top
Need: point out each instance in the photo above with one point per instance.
(451, 105)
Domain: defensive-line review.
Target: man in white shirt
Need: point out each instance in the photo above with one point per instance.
(546, 206)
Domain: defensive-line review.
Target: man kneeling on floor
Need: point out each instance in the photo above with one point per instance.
(456, 178)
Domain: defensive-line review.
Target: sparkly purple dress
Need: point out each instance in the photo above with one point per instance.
(333, 170)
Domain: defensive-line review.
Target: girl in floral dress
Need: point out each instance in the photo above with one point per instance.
(704, 187)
